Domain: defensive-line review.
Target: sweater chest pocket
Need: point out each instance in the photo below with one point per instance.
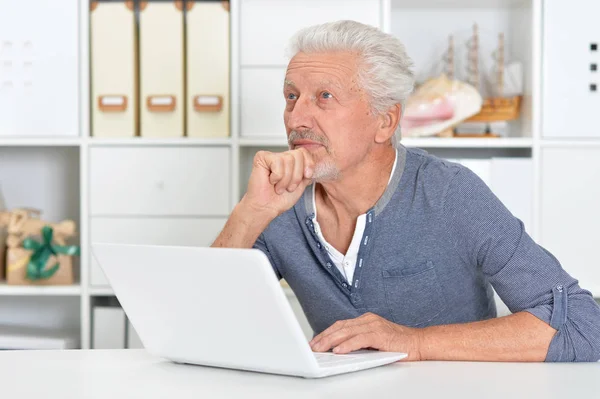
(413, 294)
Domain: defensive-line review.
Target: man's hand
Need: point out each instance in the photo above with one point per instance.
(278, 180)
(369, 331)
(276, 183)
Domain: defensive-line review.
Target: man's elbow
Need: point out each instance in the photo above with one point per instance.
(578, 338)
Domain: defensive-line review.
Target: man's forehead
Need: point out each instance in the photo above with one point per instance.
(336, 67)
(329, 81)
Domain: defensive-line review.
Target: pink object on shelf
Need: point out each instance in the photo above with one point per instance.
(439, 108)
(407, 124)
(439, 104)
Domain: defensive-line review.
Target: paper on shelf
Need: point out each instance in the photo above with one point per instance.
(24, 337)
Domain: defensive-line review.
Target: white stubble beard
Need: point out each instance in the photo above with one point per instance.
(324, 170)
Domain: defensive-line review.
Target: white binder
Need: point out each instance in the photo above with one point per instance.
(161, 68)
(113, 69)
(207, 53)
(109, 328)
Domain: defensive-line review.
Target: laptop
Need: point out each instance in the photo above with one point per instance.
(218, 307)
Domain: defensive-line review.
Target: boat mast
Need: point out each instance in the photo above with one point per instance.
(500, 66)
(450, 58)
(474, 59)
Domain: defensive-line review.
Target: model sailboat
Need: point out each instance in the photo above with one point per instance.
(444, 105)
(504, 102)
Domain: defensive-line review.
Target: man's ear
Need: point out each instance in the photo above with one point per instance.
(388, 123)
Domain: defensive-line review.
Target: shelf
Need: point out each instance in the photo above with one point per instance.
(421, 142)
(31, 290)
(144, 141)
(583, 143)
(101, 291)
(40, 141)
(436, 142)
(452, 4)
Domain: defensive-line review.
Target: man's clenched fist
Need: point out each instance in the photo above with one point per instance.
(278, 180)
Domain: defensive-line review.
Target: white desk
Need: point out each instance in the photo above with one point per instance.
(136, 374)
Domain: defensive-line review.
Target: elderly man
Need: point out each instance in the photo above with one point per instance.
(392, 248)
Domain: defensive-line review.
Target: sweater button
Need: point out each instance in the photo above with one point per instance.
(319, 245)
(329, 265)
(344, 285)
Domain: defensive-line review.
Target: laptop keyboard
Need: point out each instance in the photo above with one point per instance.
(331, 359)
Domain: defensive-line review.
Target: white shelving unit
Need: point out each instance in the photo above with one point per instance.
(415, 22)
(15, 290)
(139, 141)
(40, 142)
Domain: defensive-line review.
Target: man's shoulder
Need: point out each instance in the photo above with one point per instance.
(432, 165)
(431, 173)
(435, 176)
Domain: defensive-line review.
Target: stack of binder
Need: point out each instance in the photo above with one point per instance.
(160, 68)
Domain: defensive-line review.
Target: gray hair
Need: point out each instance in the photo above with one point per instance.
(386, 73)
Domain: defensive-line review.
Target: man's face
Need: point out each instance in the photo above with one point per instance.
(327, 112)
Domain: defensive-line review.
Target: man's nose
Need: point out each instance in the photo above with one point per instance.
(302, 115)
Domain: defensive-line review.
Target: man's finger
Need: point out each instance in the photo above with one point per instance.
(298, 170)
(333, 328)
(288, 162)
(357, 342)
(340, 336)
(309, 163)
(363, 319)
(333, 339)
(275, 165)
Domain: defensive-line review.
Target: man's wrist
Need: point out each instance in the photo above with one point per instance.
(422, 335)
(252, 214)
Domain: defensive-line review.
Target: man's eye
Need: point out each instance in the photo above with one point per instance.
(291, 96)
(326, 95)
